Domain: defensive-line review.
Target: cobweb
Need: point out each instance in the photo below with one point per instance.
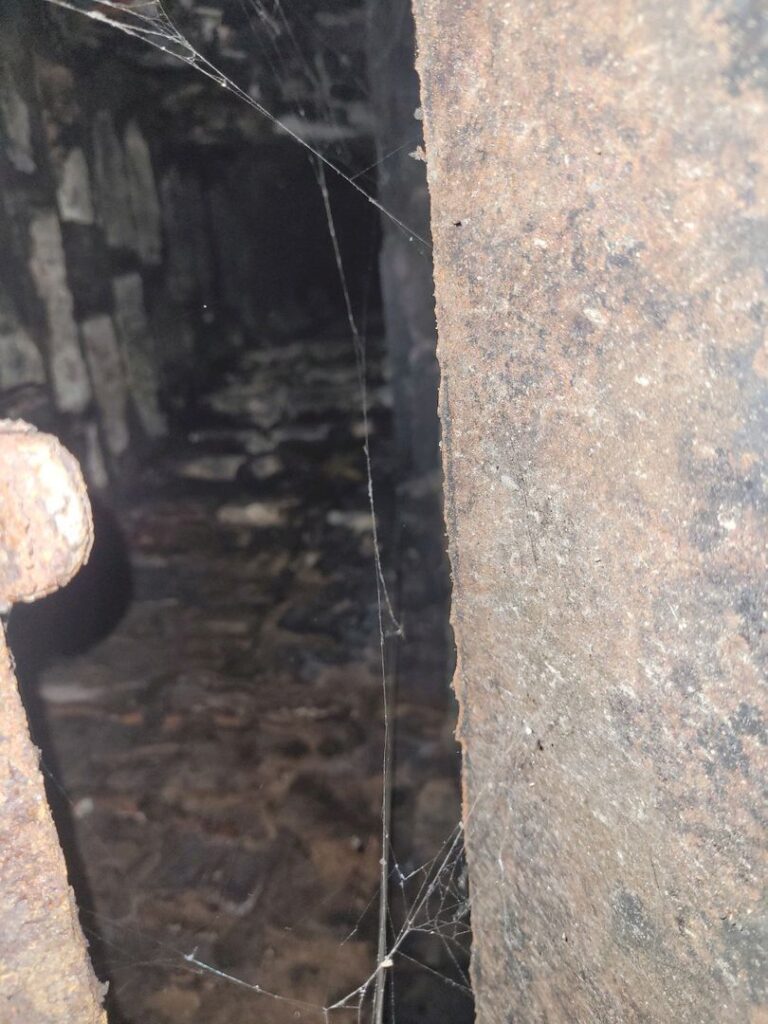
(432, 898)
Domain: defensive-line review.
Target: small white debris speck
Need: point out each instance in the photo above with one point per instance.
(594, 316)
(83, 807)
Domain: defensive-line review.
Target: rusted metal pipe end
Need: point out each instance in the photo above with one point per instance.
(46, 529)
(46, 533)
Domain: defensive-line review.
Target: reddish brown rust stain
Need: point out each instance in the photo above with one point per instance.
(46, 531)
(600, 217)
(45, 535)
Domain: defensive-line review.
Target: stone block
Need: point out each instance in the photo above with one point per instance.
(94, 462)
(145, 204)
(109, 381)
(20, 358)
(114, 196)
(74, 192)
(69, 376)
(16, 130)
(138, 350)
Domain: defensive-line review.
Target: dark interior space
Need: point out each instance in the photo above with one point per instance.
(208, 309)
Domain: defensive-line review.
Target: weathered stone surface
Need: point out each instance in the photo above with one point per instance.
(263, 467)
(254, 441)
(109, 383)
(145, 204)
(138, 349)
(69, 377)
(61, 110)
(253, 513)
(188, 264)
(599, 203)
(94, 462)
(211, 467)
(15, 124)
(20, 359)
(355, 520)
(113, 190)
(74, 191)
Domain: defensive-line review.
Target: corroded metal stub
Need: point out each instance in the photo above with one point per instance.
(46, 531)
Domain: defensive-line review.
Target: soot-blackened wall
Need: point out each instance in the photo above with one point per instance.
(152, 222)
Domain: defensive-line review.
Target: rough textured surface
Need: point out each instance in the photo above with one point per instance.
(69, 377)
(21, 362)
(599, 216)
(45, 532)
(145, 204)
(138, 350)
(109, 380)
(73, 195)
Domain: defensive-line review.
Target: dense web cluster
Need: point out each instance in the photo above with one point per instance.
(147, 20)
(430, 900)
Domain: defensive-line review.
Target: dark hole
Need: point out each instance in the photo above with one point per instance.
(207, 692)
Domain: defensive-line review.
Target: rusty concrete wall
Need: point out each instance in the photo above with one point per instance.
(600, 215)
(45, 534)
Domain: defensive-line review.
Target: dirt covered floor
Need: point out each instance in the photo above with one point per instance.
(216, 760)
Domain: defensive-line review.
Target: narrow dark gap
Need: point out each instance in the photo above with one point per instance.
(207, 693)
